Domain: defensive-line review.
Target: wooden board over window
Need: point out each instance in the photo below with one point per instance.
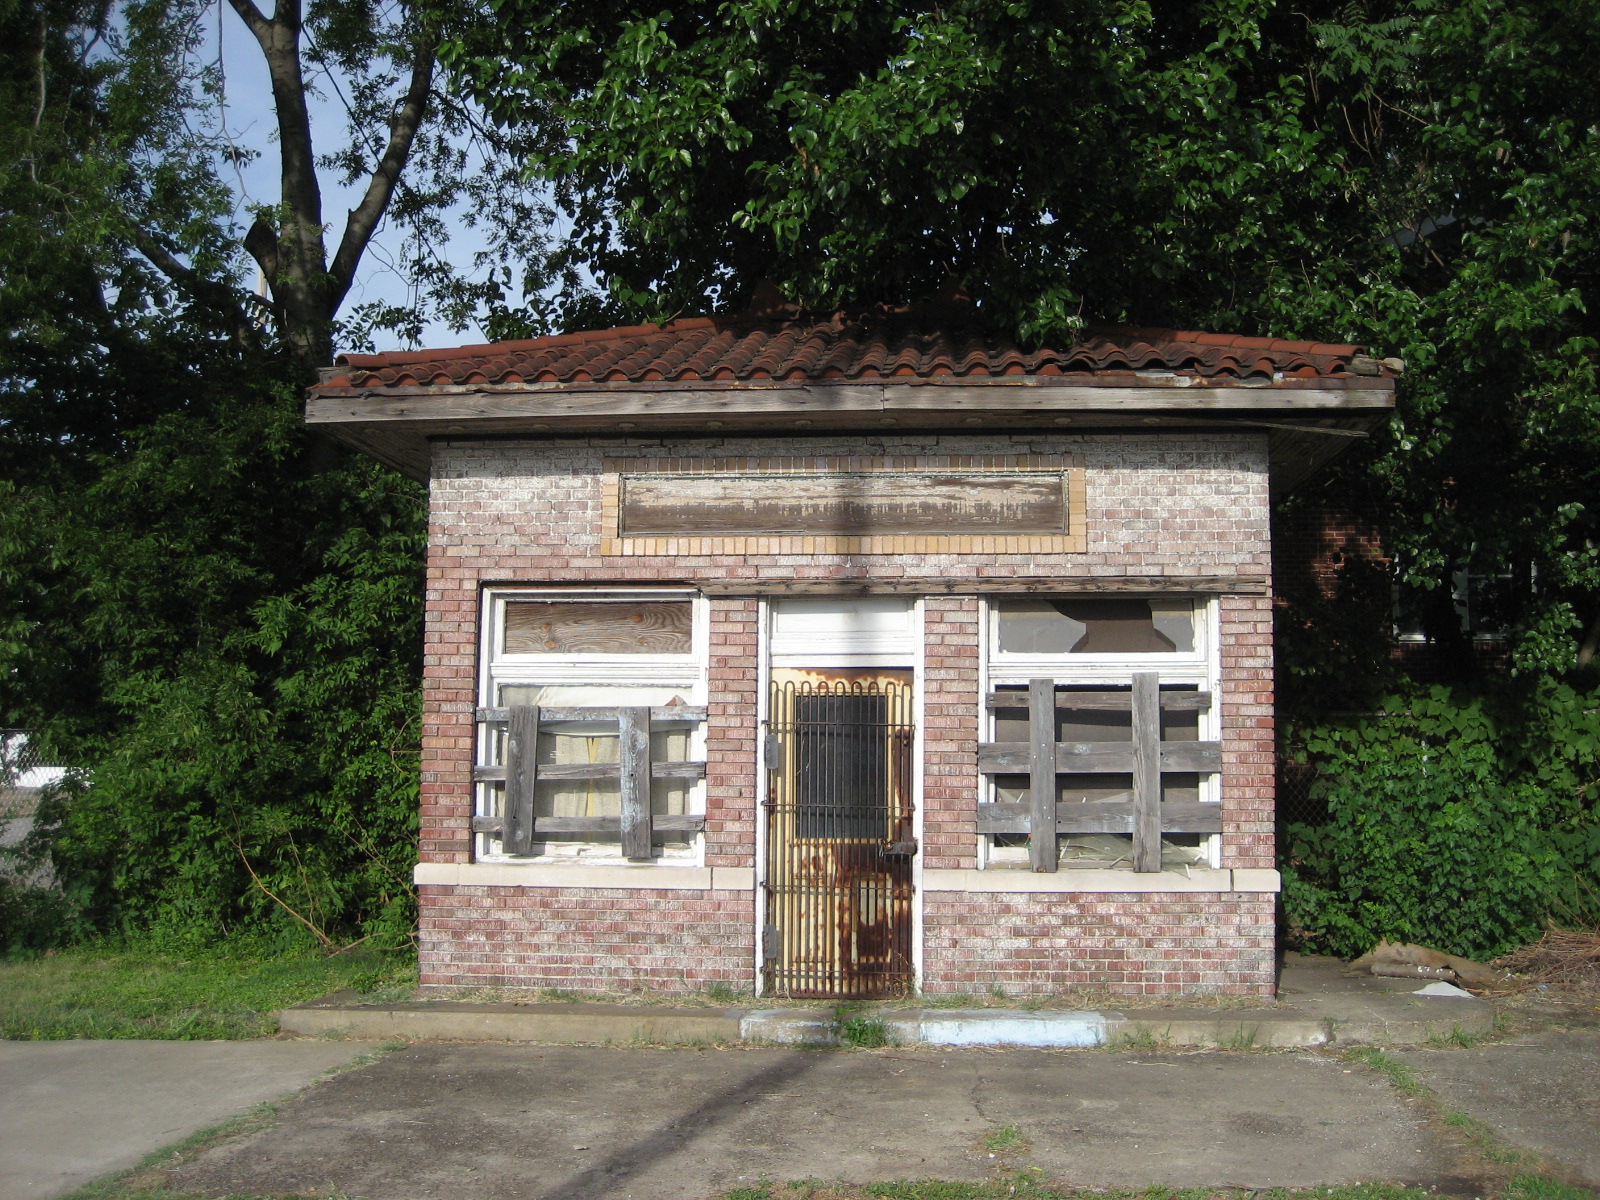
(579, 627)
(972, 504)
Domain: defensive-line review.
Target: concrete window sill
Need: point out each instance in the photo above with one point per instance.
(1004, 879)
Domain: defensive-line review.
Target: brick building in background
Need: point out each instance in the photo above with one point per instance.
(851, 656)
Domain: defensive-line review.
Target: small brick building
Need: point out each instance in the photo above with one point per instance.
(853, 656)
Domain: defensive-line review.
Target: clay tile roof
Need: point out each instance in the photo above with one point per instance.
(873, 347)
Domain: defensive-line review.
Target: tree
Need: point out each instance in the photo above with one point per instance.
(1416, 175)
(216, 621)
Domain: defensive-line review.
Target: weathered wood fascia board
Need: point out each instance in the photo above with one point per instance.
(451, 405)
(1142, 585)
(951, 383)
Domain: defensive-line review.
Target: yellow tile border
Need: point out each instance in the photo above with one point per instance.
(1072, 541)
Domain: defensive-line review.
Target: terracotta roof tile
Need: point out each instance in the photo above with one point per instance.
(873, 347)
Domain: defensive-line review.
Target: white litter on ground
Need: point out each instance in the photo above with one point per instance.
(1441, 988)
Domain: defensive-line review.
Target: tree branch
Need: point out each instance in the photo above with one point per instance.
(327, 942)
(364, 218)
(261, 242)
(254, 18)
(1591, 643)
(211, 291)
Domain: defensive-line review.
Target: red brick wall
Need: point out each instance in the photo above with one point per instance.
(1132, 944)
(585, 939)
(731, 735)
(1313, 546)
(530, 513)
(950, 732)
(1248, 745)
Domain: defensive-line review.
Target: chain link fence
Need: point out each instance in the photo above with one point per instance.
(21, 763)
(1296, 803)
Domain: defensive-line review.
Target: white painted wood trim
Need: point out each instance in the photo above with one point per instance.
(1070, 880)
(641, 877)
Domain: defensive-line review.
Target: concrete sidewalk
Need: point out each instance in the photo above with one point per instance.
(1319, 1005)
(71, 1112)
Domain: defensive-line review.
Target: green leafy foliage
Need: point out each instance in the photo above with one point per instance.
(232, 660)
(1453, 821)
(213, 616)
(33, 917)
(1416, 175)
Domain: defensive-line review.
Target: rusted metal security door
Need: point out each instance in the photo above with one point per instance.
(839, 834)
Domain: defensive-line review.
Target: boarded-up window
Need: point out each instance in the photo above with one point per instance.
(584, 627)
(1096, 626)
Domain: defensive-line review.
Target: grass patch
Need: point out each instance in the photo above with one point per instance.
(869, 1033)
(1401, 1076)
(1143, 1038)
(102, 990)
(1537, 1187)
(1481, 1138)
(1459, 1038)
(1004, 1139)
(1242, 1038)
(143, 1182)
(1033, 1185)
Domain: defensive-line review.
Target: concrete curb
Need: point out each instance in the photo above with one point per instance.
(334, 1016)
(1005, 1027)
(1281, 1027)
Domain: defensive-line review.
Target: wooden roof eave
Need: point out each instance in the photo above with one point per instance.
(396, 424)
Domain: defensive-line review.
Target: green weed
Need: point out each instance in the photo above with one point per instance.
(1482, 1139)
(869, 1033)
(1142, 1037)
(1032, 1184)
(1401, 1076)
(1537, 1187)
(1003, 1139)
(1242, 1038)
(1464, 1039)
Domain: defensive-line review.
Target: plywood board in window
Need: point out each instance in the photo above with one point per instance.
(576, 627)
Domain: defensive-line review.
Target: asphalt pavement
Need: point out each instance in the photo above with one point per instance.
(517, 1122)
(493, 1120)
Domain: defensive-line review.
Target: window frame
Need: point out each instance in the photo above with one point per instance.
(687, 672)
(1199, 668)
